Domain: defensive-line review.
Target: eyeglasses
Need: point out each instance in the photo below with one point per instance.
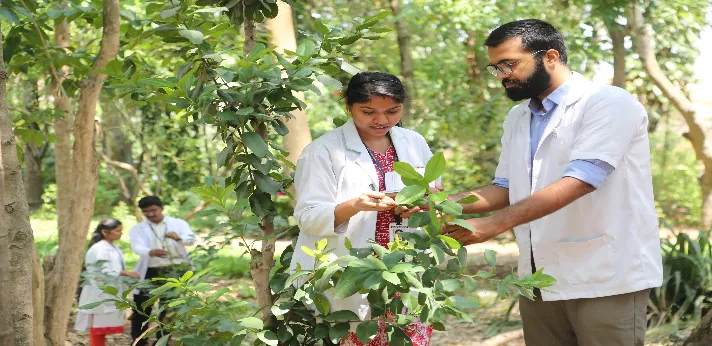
(506, 68)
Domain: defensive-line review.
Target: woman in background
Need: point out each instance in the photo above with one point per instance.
(105, 264)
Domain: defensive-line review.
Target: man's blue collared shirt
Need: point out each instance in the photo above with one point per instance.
(592, 172)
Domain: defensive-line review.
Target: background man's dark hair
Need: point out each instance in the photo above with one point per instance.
(536, 35)
(149, 201)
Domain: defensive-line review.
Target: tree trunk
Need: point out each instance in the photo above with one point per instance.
(700, 124)
(15, 224)
(7, 332)
(282, 35)
(617, 34)
(702, 335)
(477, 85)
(62, 132)
(33, 154)
(61, 282)
(261, 261)
(406, 62)
(38, 285)
(33, 175)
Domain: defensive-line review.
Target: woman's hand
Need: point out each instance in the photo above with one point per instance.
(374, 201)
(134, 275)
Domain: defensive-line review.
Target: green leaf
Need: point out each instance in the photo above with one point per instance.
(341, 315)
(435, 167)
(163, 341)
(253, 141)
(438, 197)
(468, 200)
(350, 282)
(410, 194)
(394, 258)
(450, 208)
(280, 127)
(399, 338)
(338, 122)
(392, 278)
(95, 304)
(406, 267)
(328, 81)
(365, 331)
(491, 257)
(266, 184)
(464, 303)
(321, 244)
(373, 280)
(322, 283)
(462, 223)
(306, 48)
(450, 285)
(321, 28)
(338, 331)
(296, 276)
(268, 337)
(419, 219)
(212, 10)
(194, 36)
(307, 251)
(347, 243)
(9, 15)
(370, 263)
(225, 96)
(112, 291)
(113, 68)
(381, 15)
(322, 304)
(186, 276)
(406, 171)
(170, 12)
(452, 243)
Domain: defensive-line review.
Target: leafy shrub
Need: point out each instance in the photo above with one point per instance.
(687, 280)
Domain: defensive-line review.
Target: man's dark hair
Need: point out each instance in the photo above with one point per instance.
(149, 201)
(536, 35)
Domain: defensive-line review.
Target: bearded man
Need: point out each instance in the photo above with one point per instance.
(574, 181)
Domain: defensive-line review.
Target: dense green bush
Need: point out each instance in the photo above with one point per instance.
(686, 292)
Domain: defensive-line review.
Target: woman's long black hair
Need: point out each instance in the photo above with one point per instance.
(105, 225)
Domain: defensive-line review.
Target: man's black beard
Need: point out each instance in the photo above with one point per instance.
(535, 84)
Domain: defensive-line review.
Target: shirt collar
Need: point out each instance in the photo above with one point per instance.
(550, 102)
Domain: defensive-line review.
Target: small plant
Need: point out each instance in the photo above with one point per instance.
(687, 280)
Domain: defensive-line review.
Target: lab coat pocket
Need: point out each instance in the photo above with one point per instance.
(587, 262)
(562, 142)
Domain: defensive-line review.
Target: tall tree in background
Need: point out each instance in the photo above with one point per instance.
(282, 35)
(700, 125)
(33, 152)
(79, 177)
(406, 61)
(16, 234)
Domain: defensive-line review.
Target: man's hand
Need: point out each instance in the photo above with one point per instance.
(158, 253)
(486, 228)
(173, 235)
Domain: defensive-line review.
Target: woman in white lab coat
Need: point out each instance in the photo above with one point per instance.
(105, 264)
(340, 180)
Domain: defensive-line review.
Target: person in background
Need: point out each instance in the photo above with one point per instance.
(105, 264)
(340, 180)
(160, 242)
